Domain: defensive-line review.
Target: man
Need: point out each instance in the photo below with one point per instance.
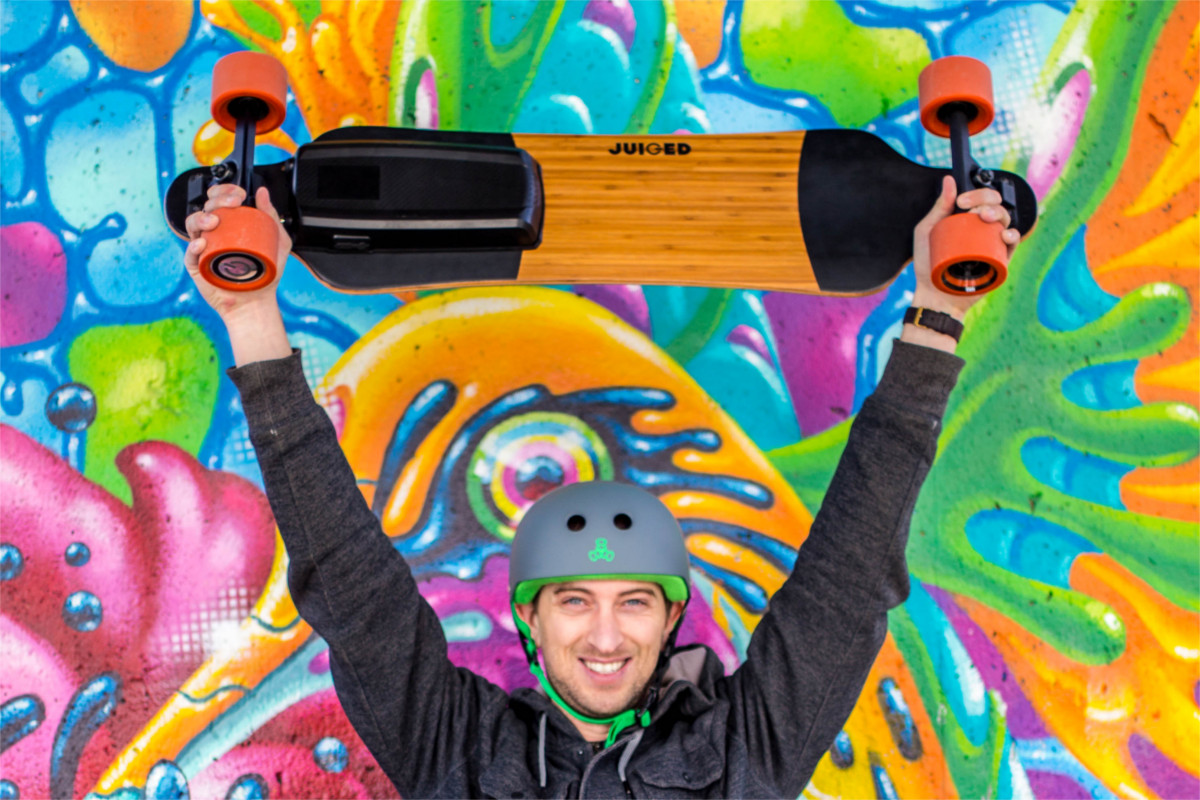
(599, 581)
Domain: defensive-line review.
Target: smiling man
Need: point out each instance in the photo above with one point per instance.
(599, 579)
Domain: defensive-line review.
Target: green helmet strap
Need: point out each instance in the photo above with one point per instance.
(617, 723)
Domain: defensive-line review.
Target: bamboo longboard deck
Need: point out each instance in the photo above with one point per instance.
(387, 209)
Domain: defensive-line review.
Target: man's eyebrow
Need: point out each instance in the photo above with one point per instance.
(560, 588)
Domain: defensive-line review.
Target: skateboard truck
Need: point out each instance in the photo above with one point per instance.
(249, 98)
(967, 254)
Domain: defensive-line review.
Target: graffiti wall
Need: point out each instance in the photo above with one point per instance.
(1051, 644)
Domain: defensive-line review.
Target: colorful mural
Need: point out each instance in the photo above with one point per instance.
(1051, 644)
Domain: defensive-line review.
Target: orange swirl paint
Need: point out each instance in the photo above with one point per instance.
(1147, 689)
(490, 342)
(338, 67)
(699, 23)
(726, 555)
(1147, 229)
(213, 144)
(867, 727)
(136, 34)
(1164, 491)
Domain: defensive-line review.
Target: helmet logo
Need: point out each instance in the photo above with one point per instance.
(601, 551)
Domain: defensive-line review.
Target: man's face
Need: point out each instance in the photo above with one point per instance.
(600, 640)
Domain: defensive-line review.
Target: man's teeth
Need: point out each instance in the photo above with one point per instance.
(604, 669)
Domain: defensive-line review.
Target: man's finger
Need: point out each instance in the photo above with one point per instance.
(993, 213)
(262, 199)
(942, 208)
(224, 195)
(191, 254)
(979, 197)
(200, 222)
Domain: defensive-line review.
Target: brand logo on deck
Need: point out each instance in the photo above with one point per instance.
(650, 149)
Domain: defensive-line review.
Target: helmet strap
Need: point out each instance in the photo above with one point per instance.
(617, 722)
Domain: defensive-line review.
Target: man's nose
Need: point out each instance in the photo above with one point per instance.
(605, 634)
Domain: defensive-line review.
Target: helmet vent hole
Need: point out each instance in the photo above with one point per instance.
(576, 522)
(622, 522)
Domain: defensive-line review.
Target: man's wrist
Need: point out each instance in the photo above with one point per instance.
(935, 300)
(256, 331)
(928, 338)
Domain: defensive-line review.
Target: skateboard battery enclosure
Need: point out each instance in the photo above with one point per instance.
(372, 189)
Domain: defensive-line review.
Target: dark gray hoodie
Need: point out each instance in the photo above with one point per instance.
(441, 731)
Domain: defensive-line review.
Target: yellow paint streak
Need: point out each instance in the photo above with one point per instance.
(720, 601)
(1147, 689)
(1158, 179)
(1187, 493)
(1184, 376)
(928, 776)
(1181, 165)
(1168, 492)
(1178, 247)
(255, 654)
(338, 67)
(275, 606)
(213, 144)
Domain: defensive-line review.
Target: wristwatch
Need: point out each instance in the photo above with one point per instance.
(934, 321)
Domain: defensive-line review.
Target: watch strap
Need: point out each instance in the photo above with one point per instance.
(934, 321)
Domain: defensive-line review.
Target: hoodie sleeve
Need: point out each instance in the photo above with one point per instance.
(810, 655)
(388, 655)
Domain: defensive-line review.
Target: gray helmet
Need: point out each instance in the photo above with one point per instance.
(598, 529)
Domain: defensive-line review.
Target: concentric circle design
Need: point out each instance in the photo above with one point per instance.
(525, 457)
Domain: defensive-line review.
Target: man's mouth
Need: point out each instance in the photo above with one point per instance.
(605, 667)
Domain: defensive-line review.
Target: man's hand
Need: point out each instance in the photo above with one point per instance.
(985, 203)
(253, 320)
(225, 195)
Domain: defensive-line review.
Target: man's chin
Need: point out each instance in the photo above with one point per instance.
(601, 710)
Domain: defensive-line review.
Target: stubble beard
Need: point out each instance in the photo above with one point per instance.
(573, 699)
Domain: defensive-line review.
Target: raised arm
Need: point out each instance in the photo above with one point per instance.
(388, 654)
(810, 654)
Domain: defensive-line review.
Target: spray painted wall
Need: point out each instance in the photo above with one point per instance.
(1050, 645)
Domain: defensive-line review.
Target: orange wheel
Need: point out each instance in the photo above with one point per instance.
(249, 83)
(955, 79)
(240, 255)
(967, 254)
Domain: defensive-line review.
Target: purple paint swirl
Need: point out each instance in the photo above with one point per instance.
(1023, 720)
(1160, 773)
(615, 14)
(626, 301)
(745, 336)
(33, 283)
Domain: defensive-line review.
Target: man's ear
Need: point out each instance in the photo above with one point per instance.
(528, 614)
(674, 612)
